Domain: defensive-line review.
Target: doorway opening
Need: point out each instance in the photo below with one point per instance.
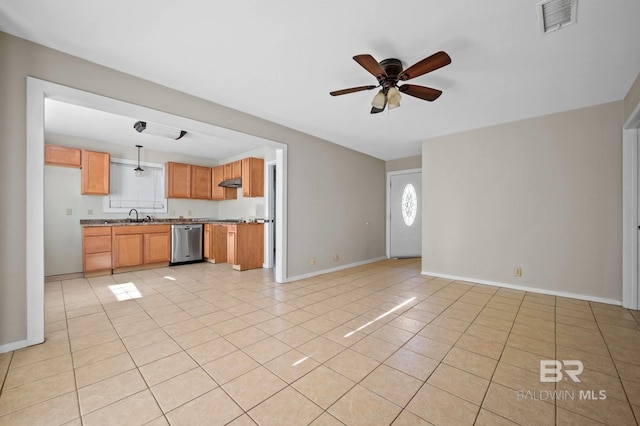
(37, 91)
(630, 210)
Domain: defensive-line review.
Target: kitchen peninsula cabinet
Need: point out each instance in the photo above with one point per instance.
(245, 245)
(215, 243)
(96, 250)
(62, 156)
(95, 173)
(144, 245)
(253, 177)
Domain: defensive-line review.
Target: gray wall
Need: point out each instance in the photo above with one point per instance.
(632, 100)
(406, 163)
(323, 178)
(544, 194)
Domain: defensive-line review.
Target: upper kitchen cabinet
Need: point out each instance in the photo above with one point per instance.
(62, 156)
(253, 177)
(201, 182)
(178, 180)
(218, 192)
(95, 173)
(236, 169)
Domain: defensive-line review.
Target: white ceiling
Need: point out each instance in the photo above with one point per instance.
(280, 59)
(83, 122)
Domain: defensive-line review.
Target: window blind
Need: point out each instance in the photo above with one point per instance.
(128, 191)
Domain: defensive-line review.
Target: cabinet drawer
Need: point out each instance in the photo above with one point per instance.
(140, 229)
(97, 244)
(96, 230)
(97, 261)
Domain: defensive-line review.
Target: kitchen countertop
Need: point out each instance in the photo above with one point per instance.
(176, 221)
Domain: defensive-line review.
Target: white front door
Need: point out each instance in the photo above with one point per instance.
(405, 215)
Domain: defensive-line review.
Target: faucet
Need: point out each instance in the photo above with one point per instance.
(134, 210)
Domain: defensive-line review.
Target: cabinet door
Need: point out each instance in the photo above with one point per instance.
(206, 245)
(236, 168)
(157, 247)
(127, 250)
(62, 156)
(178, 180)
(232, 255)
(253, 177)
(97, 261)
(228, 171)
(95, 173)
(201, 182)
(217, 176)
(219, 243)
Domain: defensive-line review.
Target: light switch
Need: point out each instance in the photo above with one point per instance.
(69, 212)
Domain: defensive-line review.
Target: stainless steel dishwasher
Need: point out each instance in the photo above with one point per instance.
(186, 243)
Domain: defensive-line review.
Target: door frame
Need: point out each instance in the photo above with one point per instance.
(630, 209)
(37, 91)
(388, 211)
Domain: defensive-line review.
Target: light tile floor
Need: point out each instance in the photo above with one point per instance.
(373, 345)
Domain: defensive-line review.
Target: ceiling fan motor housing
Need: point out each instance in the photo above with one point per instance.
(392, 67)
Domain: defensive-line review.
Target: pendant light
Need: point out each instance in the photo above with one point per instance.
(138, 169)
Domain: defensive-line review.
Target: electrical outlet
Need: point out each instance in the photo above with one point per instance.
(188, 212)
(90, 212)
(313, 261)
(69, 212)
(517, 272)
(336, 257)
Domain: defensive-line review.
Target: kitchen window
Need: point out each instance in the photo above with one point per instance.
(129, 191)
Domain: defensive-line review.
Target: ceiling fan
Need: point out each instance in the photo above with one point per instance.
(389, 71)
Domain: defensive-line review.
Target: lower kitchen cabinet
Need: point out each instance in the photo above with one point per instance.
(127, 250)
(245, 245)
(141, 246)
(157, 247)
(96, 250)
(215, 243)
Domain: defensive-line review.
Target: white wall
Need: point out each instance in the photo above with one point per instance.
(544, 194)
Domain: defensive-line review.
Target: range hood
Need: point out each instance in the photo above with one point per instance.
(231, 183)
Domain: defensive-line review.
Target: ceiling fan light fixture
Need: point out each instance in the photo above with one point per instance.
(379, 100)
(159, 130)
(393, 98)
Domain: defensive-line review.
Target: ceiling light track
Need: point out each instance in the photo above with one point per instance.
(159, 130)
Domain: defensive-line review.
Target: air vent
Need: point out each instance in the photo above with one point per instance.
(556, 14)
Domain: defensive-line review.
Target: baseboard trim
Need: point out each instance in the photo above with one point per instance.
(525, 288)
(8, 347)
(63, 277)
(337, 268)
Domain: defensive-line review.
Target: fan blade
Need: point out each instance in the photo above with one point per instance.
(426, 93)
(351, 90)
(433, 62)
(369, 63)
